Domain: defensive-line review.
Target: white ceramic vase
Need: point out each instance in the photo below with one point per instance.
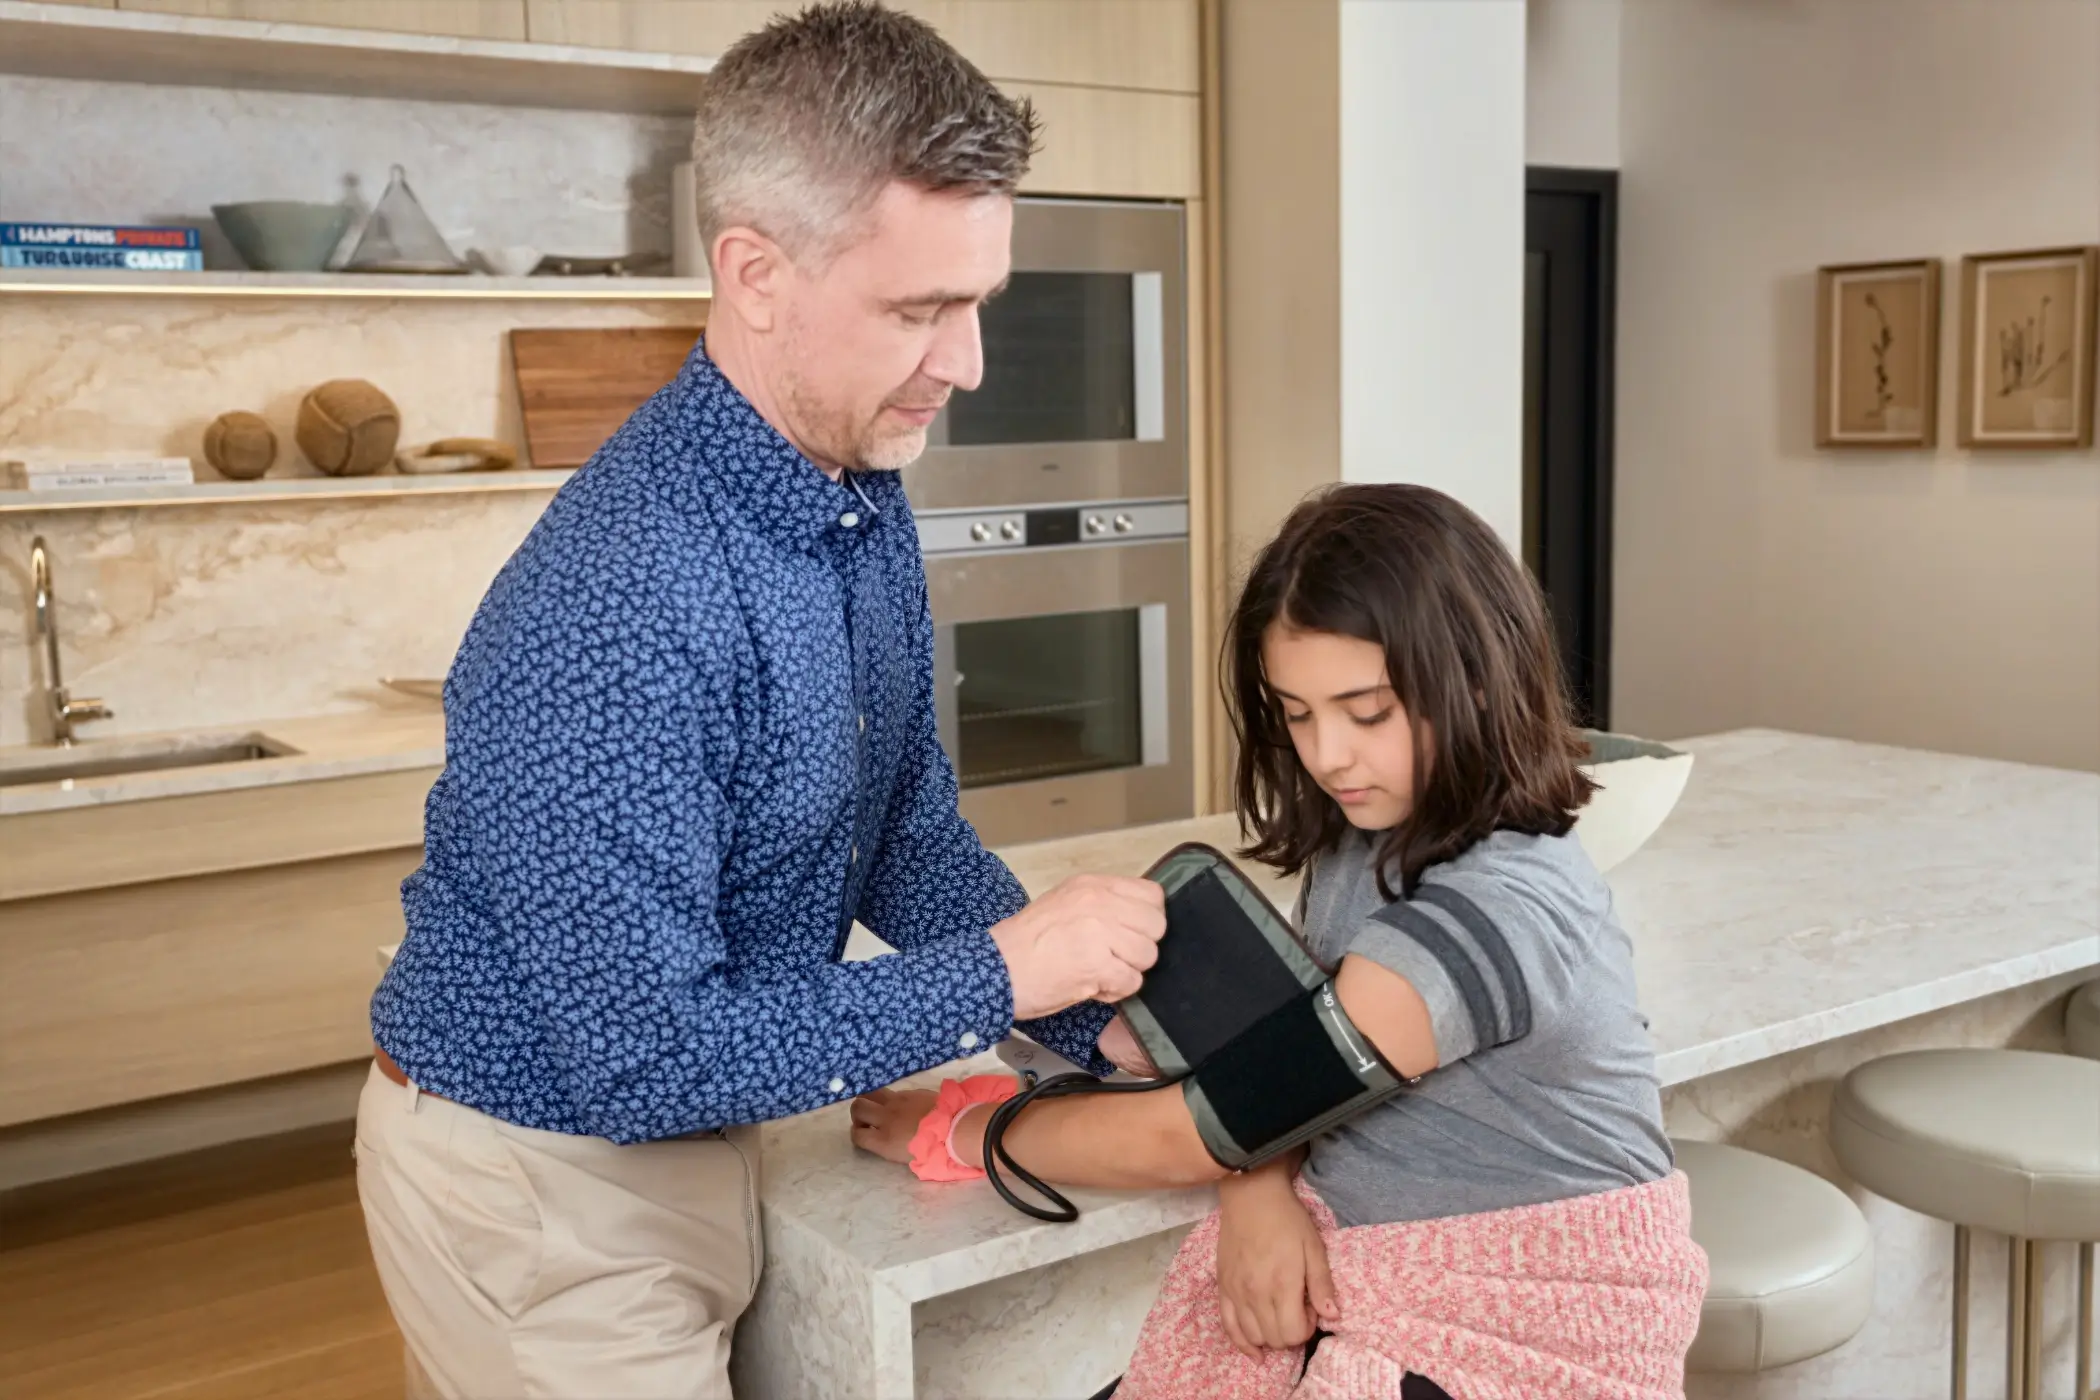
(1639, 782)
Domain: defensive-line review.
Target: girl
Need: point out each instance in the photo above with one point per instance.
(1511, 1224)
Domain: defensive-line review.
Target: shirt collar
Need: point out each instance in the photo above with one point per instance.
(779, 492)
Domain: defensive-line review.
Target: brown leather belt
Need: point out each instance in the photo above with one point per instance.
(393, 1071)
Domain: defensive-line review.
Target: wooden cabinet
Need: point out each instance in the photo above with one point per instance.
(1111, 142)
(157, 947)
(471, 19)
(80, 849)
(1114, 80)
(703, 27)
(1144, 44)
(117, 995)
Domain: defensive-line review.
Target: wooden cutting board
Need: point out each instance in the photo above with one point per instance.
(576, 387)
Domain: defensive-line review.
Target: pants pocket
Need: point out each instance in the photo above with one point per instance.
(493, 1217)
(745, 1143)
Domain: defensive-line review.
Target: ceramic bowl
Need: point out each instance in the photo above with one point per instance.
(511, 260)
(1639, 782)
(283, 235)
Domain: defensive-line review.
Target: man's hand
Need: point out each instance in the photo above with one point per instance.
(1090, 939)
(1273, 1284)
(1119, 1045)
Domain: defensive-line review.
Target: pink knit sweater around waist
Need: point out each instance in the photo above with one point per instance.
(1595, 1297)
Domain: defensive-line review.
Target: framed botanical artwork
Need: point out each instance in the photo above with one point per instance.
(2027, 348)
(1878, 354)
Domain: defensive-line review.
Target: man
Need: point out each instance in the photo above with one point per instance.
(690, 739)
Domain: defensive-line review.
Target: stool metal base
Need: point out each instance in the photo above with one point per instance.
(1960, 1389)
(2085, 1320)
(2023, 1319)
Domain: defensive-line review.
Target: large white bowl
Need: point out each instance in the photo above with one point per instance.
(1639, 783)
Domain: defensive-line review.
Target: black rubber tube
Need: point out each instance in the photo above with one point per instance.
(1060, 1211)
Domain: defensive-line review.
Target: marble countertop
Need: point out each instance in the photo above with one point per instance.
(1807, 889)
(408, 735)
(1804, 889)
(924, 1239)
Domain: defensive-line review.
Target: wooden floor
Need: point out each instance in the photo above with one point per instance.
(234, 1274)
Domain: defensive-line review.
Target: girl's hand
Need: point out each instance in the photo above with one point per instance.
(1273, 1284)
(884, 1121)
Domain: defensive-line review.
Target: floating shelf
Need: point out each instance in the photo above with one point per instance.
(291, 488)
(464, 287)
(130, 46)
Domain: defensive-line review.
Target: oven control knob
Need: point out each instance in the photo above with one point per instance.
(1095, 525)
(1010, 529)
(980, 532)
(1124, 524)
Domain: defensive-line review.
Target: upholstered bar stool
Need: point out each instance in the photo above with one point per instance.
(1999, 1140)
(2082, 1037)
(2082, 1026)
(1791, 1260)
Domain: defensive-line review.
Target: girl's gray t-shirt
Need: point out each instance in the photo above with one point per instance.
(1545, 1087)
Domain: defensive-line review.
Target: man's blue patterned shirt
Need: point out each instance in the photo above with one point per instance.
(689, 738)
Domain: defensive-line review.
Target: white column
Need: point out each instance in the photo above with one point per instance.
(1432, 232)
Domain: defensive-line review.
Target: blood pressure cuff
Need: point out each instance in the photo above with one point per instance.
(1239, 1011)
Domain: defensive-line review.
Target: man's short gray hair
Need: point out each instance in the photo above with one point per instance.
(803, 123)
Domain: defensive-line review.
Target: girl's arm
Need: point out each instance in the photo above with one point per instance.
(1143, 1141)
(1272, 1262)
(1115, 1141)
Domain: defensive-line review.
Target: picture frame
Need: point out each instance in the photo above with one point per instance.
(1878, 354)
(2027, 348)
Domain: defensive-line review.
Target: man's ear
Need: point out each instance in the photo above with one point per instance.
(749, 270)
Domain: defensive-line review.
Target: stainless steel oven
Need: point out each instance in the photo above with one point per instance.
(1084, 395)
(1061, 676)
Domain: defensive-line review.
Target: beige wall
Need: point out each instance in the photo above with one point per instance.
(221, 615)
(197, 616)
(1945, 599)
(1571, 83)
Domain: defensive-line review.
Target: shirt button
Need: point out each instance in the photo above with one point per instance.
(863, 724)
(968, 1041)
(838, 1086)
(849, 520)
(852, 855)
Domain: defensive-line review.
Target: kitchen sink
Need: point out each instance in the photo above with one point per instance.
(111, 758)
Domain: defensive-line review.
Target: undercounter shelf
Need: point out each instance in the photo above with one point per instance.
(299, 488)
(18, 281)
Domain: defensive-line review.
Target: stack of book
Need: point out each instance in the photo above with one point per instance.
(101, 246)
(57, 469)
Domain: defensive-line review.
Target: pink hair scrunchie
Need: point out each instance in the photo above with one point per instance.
(933, 1146)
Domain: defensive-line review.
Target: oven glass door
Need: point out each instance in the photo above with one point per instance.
(1068, 357)
(1084, 394)
(1052, 695)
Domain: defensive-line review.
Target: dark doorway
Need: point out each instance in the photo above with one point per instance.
(1570, 257)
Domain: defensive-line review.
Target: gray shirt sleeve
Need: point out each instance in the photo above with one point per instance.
(1492, 950)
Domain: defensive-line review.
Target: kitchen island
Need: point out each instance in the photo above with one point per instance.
(195, 911)
(1811, 903)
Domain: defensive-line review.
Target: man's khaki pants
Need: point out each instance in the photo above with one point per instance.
(521, 1263)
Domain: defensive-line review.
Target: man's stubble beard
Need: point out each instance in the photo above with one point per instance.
(893, 452)
(830, 430)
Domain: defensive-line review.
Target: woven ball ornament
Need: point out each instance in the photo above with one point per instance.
(347, 427)
(240, 445)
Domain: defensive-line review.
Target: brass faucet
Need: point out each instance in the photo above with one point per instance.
(62, 707)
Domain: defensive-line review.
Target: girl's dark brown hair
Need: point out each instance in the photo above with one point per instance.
(1470, 656)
